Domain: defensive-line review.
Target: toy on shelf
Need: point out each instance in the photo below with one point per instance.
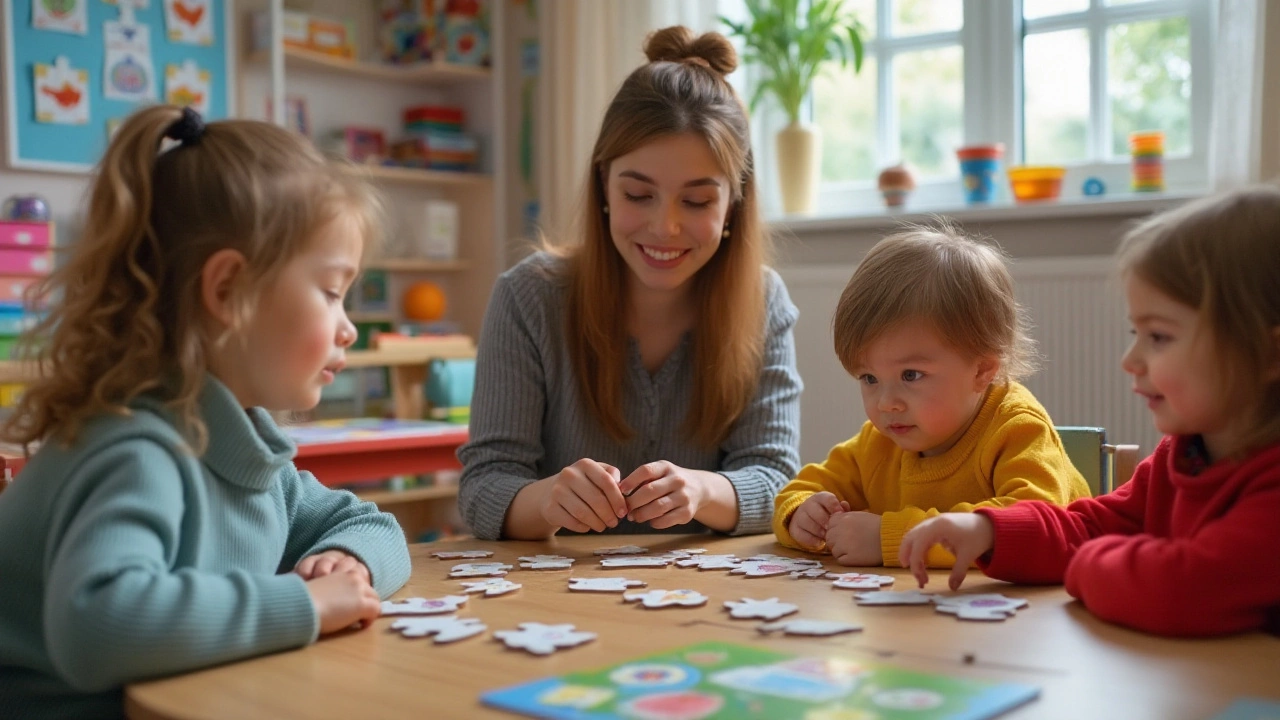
(424, 301)
(979, 168)
(357, 144)
(25, 208)
(466, 32)
(1148, 160)
(434, 140)
(407, 30)
(305, 32)
(895, 184)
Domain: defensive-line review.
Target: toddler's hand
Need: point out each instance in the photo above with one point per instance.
(342, 600)
(585, 496)
(808, 524)
(331, 562)
(966, 535)
(854, 539)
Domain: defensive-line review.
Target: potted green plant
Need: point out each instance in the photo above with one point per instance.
(790, 44)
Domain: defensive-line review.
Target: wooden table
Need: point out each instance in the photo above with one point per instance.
(1084, 667)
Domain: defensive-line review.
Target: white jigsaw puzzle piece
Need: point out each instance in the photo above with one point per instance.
(770, 609)
(710, 562)
(763, 568)
(684, 553)
(810, 573)
(423, 606)
(479, 570)
(667, 598)
(800, 626)
(611, 584)
(636, 561)
(544, 558)
(492, 586)
(565, 564)
(988, 607)
(541, 639)
(622, 550)
(461, 554)
(445, 628)
(893, 597)
(799, 562)
(859, 581)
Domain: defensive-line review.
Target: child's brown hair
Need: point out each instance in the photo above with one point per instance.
(128, 313)
(1221, 256)
(959, 285)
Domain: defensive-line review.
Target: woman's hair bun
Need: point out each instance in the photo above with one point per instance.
(679, 44)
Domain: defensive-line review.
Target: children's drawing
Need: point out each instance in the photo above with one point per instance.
(189, 21)
(491, 586)
(423, 606)
(652, 599)
(859, 581)
(187, 85)
(980, 607)
(127, 72)
(62, 93)
(446, 628)
(542, 639)
(600, 584)
(67, 16)
(770, 609)
(800, 626)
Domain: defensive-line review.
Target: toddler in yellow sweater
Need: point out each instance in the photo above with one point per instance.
(929, 327)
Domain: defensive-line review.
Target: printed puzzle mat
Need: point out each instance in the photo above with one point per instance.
(726, 681)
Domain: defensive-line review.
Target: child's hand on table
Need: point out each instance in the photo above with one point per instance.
(968, 536)
(584, 496)
(331, 562)
(808, 524)
(343, 599)
(854, 539)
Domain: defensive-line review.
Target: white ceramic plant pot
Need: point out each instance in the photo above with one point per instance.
(799, 149)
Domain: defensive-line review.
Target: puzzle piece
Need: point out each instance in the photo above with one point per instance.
(423, 606)
(460, 554)
(800, 626)
(479, 569)
(859, 581)
(542, 639)
(685, 553)
(610, 584)
(446, 628)
(763, 568)
(636, 561)
(892, 597)
(667, 598)
(980, 607)
(710, 562)
(491, 586)
(810, 573)
(785, 559)
(769, 609)
(546, 562)
(622, 550)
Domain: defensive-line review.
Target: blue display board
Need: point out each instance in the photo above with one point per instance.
(76, 148)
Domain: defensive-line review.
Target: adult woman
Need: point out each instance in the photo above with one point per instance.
(644, 380)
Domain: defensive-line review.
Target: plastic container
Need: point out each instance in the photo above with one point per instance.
(979, 168)
(1148, 160)
(1036, 182)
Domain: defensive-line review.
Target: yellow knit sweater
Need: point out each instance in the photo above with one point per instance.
(1009, 453)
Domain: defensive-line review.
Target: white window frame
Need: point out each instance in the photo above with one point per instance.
(991, 43)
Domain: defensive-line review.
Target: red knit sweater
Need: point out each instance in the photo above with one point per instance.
(1168, 552)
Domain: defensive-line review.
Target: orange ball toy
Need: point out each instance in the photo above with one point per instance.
(424, 301)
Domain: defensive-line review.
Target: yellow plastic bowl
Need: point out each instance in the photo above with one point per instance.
(1036, 182)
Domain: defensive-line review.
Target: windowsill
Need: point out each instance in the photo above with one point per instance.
(1127, 204)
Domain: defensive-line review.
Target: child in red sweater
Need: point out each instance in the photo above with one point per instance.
(1187, 547)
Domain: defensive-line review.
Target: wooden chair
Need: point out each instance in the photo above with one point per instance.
(1104, 466)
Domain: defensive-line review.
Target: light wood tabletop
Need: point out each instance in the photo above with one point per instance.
(1085, 668)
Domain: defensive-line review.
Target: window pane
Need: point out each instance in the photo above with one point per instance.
(1149, 82)
(929, 89)
(915, 17)
(1055, 79)
(844, 106)
(1032, 9)
(864, 11)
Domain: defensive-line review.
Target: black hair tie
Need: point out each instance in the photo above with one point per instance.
(186, 129)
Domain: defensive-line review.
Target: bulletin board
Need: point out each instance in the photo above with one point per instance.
(186, 39)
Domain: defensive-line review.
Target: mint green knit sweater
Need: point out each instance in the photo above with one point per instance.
(125, 557)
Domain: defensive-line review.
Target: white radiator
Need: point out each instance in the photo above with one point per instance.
(1078, 317)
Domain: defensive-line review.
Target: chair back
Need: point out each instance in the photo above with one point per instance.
(1104, 466)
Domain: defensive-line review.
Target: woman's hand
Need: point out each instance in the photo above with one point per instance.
(584, 496)
(665, 495)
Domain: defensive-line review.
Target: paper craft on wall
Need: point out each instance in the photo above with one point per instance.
(189, 21)
(123, 72)
(67, 16)
(127, 72)
(62, 93)
(187, 85)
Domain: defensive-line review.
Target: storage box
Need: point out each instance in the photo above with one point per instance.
(25, 262)
(25, 234)
(13, 288)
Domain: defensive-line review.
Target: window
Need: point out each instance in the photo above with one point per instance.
(1059, 82)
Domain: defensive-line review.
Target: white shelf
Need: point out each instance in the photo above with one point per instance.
(425, 73)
